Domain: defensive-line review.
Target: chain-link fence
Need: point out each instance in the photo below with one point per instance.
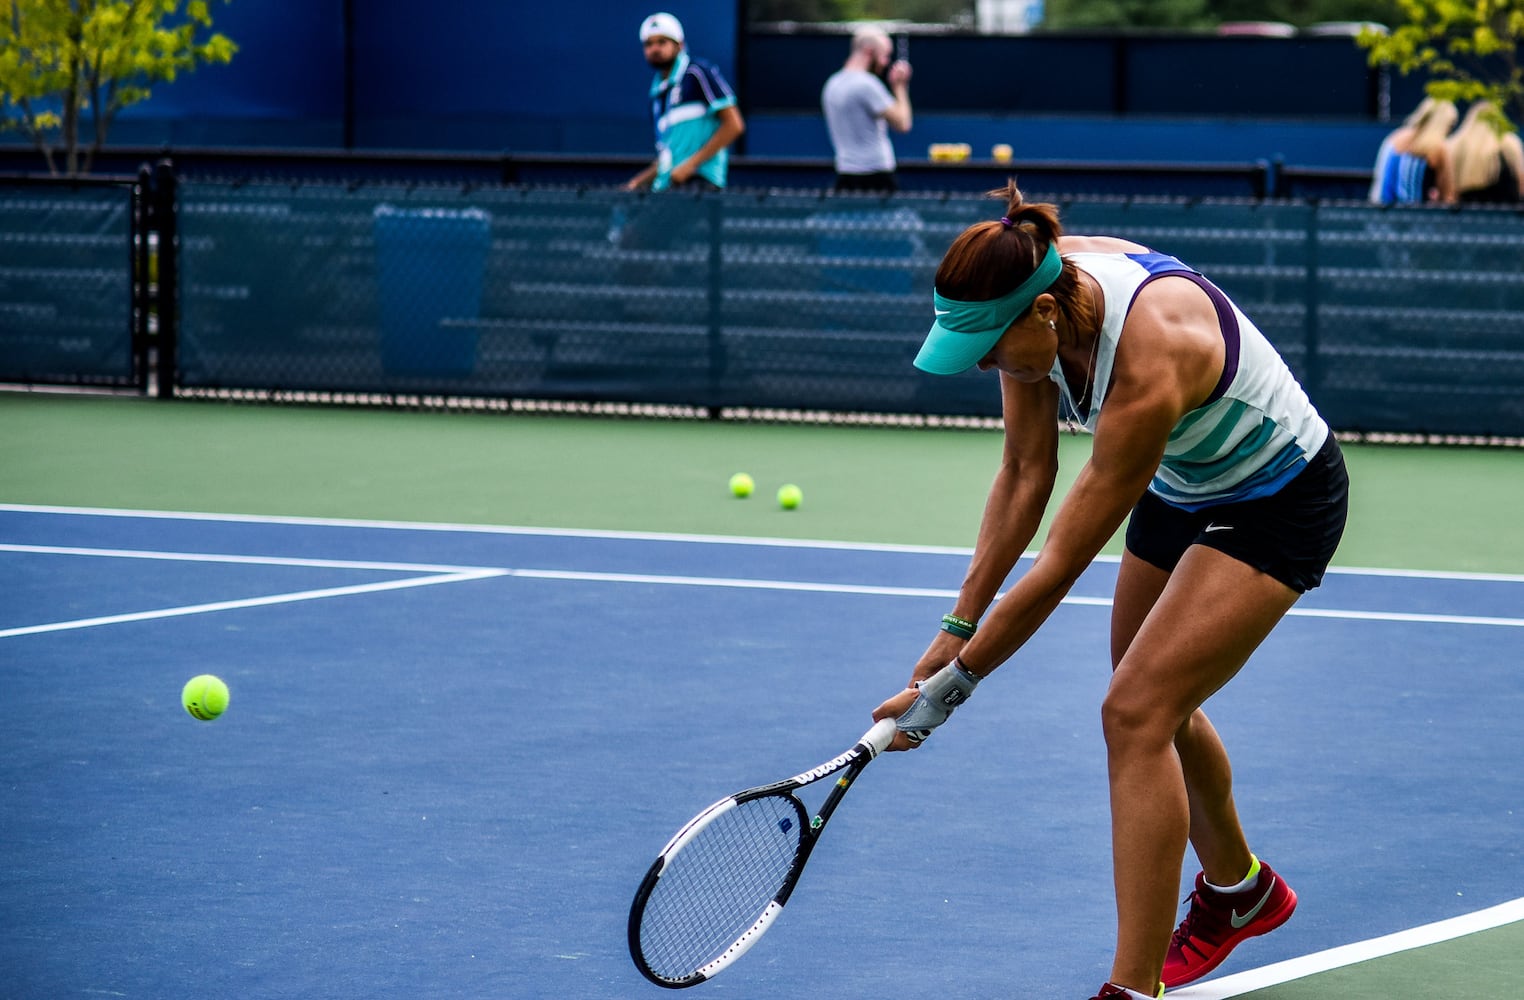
(70, 308)
(1396, 320)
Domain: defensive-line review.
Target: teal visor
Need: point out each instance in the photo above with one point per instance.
(964, 332)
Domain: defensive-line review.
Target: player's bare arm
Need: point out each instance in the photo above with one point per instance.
(1013, 510)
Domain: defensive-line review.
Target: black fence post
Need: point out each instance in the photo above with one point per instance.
(142, 280)
(1275, 184)
(1262, 180)
(167, 287)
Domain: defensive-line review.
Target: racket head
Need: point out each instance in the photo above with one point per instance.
(716, 887)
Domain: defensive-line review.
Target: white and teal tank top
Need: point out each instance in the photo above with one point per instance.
(1256, 430)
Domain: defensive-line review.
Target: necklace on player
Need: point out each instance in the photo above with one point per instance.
(1089, 386)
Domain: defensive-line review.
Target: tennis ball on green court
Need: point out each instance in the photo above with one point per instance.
(789, 496)
(205, 697)
(741, 485)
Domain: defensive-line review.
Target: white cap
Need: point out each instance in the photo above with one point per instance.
(664, 25)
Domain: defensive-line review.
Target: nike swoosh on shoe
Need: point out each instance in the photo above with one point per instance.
(1238, 922)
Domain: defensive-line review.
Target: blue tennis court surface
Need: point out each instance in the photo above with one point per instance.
(452, 752)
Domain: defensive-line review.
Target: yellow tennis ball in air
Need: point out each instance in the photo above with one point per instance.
(205, 697)
(790, 496)
(741, 485)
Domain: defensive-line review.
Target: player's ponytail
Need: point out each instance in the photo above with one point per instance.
(1038, 220)
(990, 259)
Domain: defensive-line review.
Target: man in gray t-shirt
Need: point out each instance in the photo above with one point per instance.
(859, 109)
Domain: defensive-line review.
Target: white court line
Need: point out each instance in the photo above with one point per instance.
(742, 583)
(457, 573)
(252, 602)
(697, 581)
(1361, 951)
(797, 543)
(739, 583)
(492, 529)
(1094, 602)
(212, 557)
(1404, 616)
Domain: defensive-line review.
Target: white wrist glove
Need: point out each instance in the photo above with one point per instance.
(939, 694)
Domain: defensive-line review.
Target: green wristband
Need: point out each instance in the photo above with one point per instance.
(960, 627)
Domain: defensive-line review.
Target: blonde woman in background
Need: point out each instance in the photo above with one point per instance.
(1413, 164)
(1486, 161)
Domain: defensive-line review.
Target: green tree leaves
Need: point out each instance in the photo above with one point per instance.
(1469, 49)
(69, 64)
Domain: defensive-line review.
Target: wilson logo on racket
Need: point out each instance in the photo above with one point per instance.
(816, 773)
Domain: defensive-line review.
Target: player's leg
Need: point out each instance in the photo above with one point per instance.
(1201, 594)
(1210, 615)
(1216, 835)
(1138, 587)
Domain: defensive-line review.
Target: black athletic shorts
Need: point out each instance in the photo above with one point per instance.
(1290, 535)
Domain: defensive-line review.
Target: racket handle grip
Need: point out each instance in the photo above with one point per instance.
(880, 736)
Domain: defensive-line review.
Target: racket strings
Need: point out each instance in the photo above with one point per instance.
(716, 887)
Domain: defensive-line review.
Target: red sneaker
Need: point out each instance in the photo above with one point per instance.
(1218, 922)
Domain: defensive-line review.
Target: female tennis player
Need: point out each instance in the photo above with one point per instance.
(1237, 496)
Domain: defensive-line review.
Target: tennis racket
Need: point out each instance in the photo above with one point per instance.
(723, 879)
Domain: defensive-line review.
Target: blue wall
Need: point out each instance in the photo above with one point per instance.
(556, 77)
(485, 75)
(463, 75)
(468, 75)
(285, 87)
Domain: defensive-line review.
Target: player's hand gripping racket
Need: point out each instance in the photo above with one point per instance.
(723, 879)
